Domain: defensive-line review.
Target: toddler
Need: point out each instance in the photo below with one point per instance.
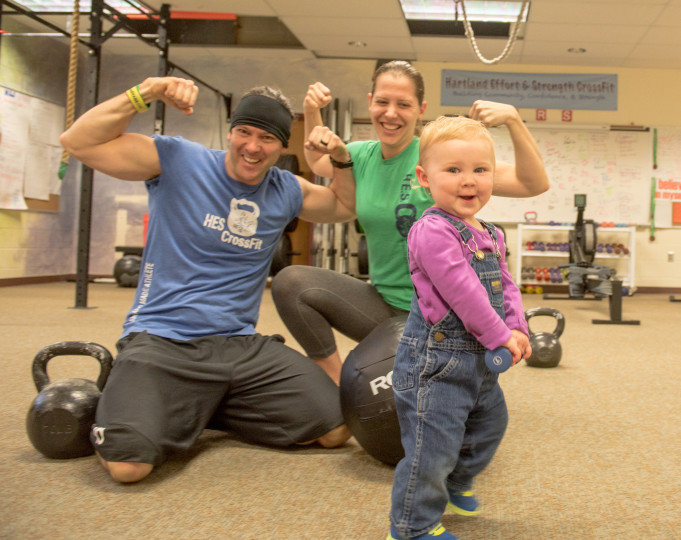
(450, 406)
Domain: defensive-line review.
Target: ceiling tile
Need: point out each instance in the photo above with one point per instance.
(316, 8)
(594, 13)
(644, 50)
(337, 43)
(343, 26)
(559, 50)
(578, 32)
(663, 35)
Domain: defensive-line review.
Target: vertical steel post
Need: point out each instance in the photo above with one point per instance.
(162, 31)
(85, 208)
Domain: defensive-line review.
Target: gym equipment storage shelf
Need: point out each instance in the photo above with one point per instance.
(622, 262)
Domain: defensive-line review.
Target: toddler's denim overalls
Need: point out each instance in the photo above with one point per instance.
(451, 408)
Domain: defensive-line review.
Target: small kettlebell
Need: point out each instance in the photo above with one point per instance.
(59, 420)
(546, 349)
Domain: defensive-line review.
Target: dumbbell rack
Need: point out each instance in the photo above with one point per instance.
(623, 264)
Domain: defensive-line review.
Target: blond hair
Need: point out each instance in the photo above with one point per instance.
(446, 128)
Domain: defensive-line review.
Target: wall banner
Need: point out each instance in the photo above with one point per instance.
(576, 91)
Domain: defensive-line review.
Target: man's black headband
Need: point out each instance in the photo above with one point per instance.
(265, 113)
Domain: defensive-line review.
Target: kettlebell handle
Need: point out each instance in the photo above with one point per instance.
(551, 312)
(72, 348)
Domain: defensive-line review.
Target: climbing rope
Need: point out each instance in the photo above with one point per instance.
(73, 75)
(515, 28)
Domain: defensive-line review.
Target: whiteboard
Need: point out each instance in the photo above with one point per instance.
(613, 168)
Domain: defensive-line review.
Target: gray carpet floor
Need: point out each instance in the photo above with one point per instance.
(593, 448)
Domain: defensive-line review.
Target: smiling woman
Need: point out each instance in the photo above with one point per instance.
(396, 107)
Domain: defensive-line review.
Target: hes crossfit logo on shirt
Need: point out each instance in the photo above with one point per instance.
(405, 212)
(243, 217)
(242, 224)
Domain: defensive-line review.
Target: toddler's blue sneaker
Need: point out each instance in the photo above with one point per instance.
(464, 503)
(438, 532)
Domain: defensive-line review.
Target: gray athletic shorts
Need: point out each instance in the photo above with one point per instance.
(162, 393)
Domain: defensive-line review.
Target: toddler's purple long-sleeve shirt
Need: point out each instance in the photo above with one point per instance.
(443, 278)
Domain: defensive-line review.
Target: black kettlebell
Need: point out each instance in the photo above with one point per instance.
(546, 349)
(59, 420)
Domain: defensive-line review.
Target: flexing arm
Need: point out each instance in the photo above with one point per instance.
(321, 142)
(322, 205)
(527, 177)
(98, 137)
(326, 142)
(343, 185)
(317, 97)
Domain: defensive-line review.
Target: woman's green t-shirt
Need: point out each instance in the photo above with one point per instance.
(389, 201)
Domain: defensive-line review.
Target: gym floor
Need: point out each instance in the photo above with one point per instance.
(591, 452)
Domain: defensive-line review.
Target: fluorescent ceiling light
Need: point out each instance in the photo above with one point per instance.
(66, 6)
(445, 10)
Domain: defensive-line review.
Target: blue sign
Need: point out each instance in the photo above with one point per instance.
(574, 91)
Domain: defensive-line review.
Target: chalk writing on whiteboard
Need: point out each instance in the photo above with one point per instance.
(612, 167)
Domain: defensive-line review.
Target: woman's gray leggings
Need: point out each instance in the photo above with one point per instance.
(311, 301)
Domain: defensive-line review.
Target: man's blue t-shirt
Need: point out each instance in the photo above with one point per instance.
(210, 242)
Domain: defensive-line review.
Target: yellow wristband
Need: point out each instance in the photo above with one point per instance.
(136, 99)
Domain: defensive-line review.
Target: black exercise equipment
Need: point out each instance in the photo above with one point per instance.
(546, 349)
(615, 301)
(367, 395)
(59, 420)
(585, 276)
(127, 270)
(344, 249)
(362, 252)
(582, 239)
(331, 250)
(283, 255)
(582, 274)
(362, 256)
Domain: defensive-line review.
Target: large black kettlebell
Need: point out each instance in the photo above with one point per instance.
(59, 420)
(546, 349)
